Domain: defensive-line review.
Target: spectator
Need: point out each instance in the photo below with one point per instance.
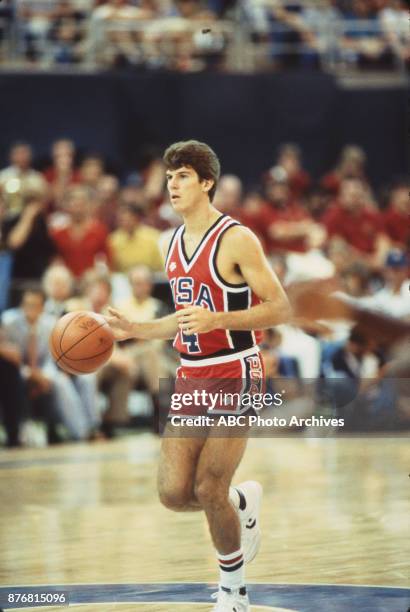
(108, 194)
(287, 33)
(396, 217)
(321, 26)
(394, 20)
(114, 44)
(61, 175)
(290, 159)
(91, 171)
(351, 219)
(351, 164)
(134, 242)
(362, 42)
(13, 399)
(35, 20)
(347, 361)
(393, 299)
(65, 399)
(66, 33)
(256, 214)
(228, 195)
(291, 227)
(356, 280)
(19, 179)
(58, 285)
(94, 293)
(136, 359)
(83, 241)
(27, 237)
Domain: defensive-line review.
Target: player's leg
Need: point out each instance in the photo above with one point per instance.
(217, 464)
(177, 467)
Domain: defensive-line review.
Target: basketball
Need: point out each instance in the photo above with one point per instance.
(81, 342)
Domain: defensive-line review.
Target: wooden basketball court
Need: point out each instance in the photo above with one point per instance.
(335, 512)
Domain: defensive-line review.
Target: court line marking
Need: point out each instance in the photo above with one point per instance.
(211, 584)
(160, 603)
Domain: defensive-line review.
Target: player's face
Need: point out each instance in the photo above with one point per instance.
(185, 188)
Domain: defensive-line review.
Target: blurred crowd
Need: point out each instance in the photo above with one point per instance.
(194, 35)
(74, 235)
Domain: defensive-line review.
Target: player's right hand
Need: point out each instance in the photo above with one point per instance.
(122, 328)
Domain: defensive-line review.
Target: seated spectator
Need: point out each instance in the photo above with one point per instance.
(134, 242)
(187, 50)
(228, 195)
(362, 41)
(19, 179)
(91, 171)
(396, 216)
(35, 18)
(394, 298)
(256, 214)
(112, 43)
(107, 200)
(66, 33)
(26, 236)
(316, 202)
(356, 280)
(352, 379)
(13, 399)
(290, 159)
(351, 164)
(117, 10)
(95, 293)
(58, 284)
(291, 227)
(287, 33)
(82, 242)
(136, 359)
(351, 219)
(62, 173)
(320, 30)
(394, 20)
(69, 400)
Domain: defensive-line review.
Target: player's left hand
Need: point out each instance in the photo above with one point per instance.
(196, 320)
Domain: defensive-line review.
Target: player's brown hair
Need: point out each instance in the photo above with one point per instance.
(196, 155)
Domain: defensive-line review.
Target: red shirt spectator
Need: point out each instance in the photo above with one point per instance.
(288, 225)
(397, 216)
(360, 229)
(290, 159)
(350, 218)
(61, 174)
(351, 164)
(84, 239)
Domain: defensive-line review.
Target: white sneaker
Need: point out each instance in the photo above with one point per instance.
(230, 601)
(249, 518)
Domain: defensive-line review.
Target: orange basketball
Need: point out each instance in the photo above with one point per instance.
(81, 342)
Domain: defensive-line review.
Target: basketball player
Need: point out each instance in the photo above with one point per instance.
(224, 290)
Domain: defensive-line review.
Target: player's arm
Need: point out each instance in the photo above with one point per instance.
(164, 328)
(159, 329)
(256, 272)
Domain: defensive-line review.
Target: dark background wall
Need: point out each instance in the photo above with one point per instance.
(244, 118)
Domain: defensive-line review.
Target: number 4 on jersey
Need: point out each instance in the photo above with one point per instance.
(191, 342)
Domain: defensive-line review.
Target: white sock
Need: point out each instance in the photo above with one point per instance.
(231, 570)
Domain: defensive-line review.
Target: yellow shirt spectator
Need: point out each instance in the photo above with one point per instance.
(134, 243)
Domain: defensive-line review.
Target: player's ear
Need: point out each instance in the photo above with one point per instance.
(207, 184)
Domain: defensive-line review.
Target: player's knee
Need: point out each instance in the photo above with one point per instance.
(174, 498)
(209, 492)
